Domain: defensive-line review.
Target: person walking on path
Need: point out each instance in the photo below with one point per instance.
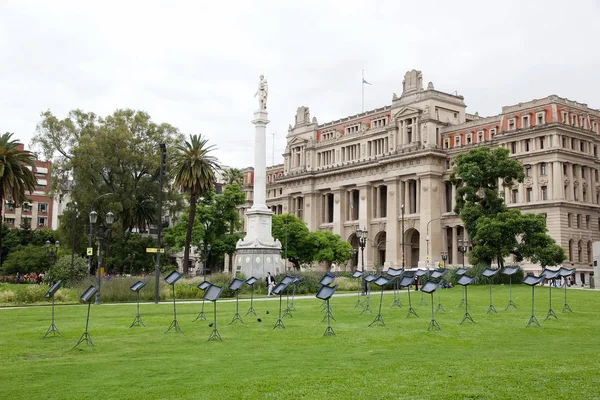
(270, 283)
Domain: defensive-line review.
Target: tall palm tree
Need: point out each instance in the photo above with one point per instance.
(194, 173)
(233, 175)
(16, 180)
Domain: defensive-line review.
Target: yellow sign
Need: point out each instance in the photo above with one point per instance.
(154, 250)
(427, 258)
(90, 251)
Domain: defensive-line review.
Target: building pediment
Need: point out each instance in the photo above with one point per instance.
(406, 112)
(297, 141)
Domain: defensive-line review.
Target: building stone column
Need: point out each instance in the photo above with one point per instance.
(454, 245)
(430, 214)
(535, 189)
(453, 196)
(557, 181)
(570, 186)
(364, 217)
(339, 210)
(392, 258)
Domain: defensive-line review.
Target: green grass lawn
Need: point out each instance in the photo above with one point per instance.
(496, 357)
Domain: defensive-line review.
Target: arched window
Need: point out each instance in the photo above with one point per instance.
(570, 250)
(579, 251)
(589, 252)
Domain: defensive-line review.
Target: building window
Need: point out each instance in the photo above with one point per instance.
(528, 194)
(540, 118)
(543, 168)
(26, 221)
(515, 196)
(479, 136)
(352, 129)
(528, 171)
(574, 120)
(564, 142)
(9, 205)
(569, 220)
(544, 193)
(9, 221)
(578, 219)
(582, 172)
(527, 145)
(469, 138)
(565, 117)
(525, 121)
(511, 124)
(565, 168)
(27, 207)
(42, 221)
(513, 147)
(492, 133)
(581, 146)
(587, 222)
(572, 144)
(42, 207)
(447, 143)
(542, 144)
(579, 251)
(457, 140)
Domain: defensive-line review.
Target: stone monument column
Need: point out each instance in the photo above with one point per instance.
(258, 253)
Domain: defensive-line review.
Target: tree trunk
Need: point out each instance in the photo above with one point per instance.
(231, 255)
(188, 234)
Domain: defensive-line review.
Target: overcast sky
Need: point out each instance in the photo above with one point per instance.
(195, 64)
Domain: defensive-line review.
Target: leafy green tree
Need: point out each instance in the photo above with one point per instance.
(329, 247)
(233, 176)
(497, 232)
(26, 259)
(62, 269)
(194, 173)
(294, 237)
(128, 254)
(16, 180)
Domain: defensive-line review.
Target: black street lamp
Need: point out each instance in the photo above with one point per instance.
(402, 228)
(463, 247)
(75, 215)
(444, 258)
(206, 256)
(350, 254)
(362, 241)
(89, 250)
(51, 252)
(162, 171)
(100, 236)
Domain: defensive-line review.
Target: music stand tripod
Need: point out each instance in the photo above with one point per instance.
(532, 280)
(250, 282)
(407, 280)
(278, 290)
(464, 281)
(50, 293)
(564, 273)
(430, 287)
(295, 283)
(287, 280)
(87, 296)
(368, 279)
(328, 315)
(510, 271)
(235, 286)
(325, 293)
(327, 280)
(212, 294)
(381, 281)
(395, 276)
(136, 288)
(437, 275)
(171, 279)
(550, 275)
(420, 273)
(358, 274)
(460, 272)
(489, 274)
(203, 286)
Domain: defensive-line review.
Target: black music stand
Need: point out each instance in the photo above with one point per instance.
(420, 273)
(407, 280)
(287, 280)
(325, 293)
(532, 280)
(297, 280)
(235, 286)
(87, 296)
(328, 313)
(212, 294)
(358, 274)
(510, 271)
(326, 280)
(50, 293)
(250, 282)
(564, 273)
(278, 290)
(368, 279)
(203, 286)
(171, 279)
(395, 274)
(460, 272)
(430, 287)
(381, 281)
(465, 281)
(489, 274)
(437, 275)
(136, 287)
(550, 275)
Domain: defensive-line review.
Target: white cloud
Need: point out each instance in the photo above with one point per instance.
(196, 64)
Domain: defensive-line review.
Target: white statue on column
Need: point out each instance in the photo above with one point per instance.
(262, 92)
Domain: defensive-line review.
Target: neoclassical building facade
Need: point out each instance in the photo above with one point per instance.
(387, 171)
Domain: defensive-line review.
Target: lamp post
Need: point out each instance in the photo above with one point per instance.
(362, 241)
(286, 241)
(402, 233)
(444, 258)
(51, 252)
(92, 231)
(206, 256)
(75, 215)
(110, 218)
(163, 158)
(428, 238)
(462, 249)
(350, 254)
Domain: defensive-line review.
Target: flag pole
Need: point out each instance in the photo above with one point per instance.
(362, 86)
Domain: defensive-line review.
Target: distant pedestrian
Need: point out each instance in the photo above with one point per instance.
(270, 283)
(18, 278)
